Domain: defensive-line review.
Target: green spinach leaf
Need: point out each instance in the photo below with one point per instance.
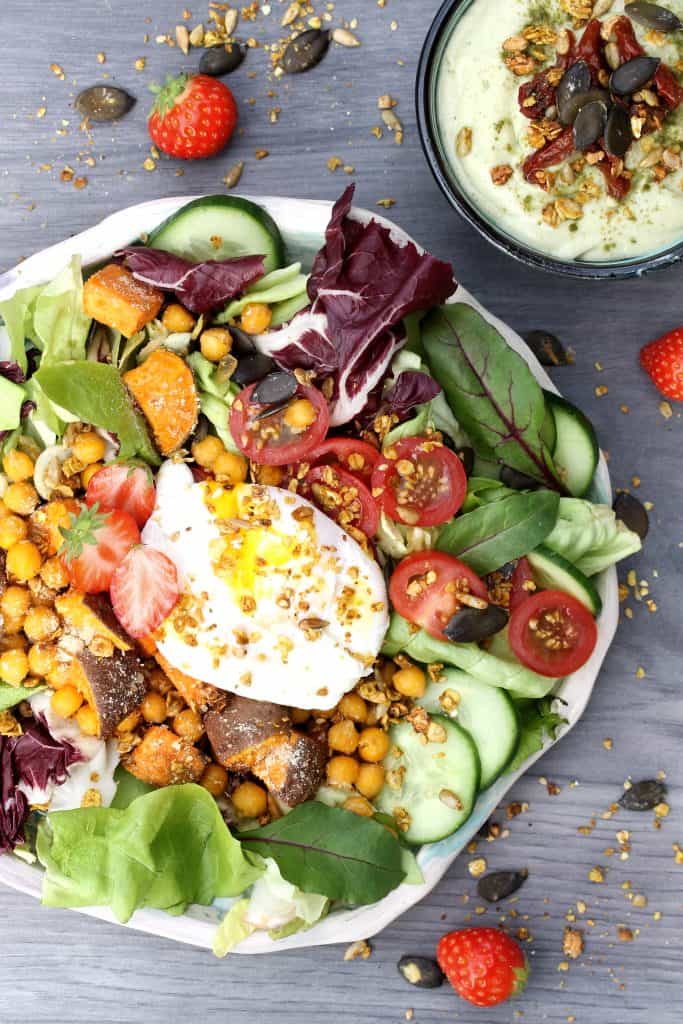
(490, 389)
(332, 852)
(494, 534)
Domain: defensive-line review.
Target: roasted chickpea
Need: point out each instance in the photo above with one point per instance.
(87, 720)
(12, 530)
(66, 701)
(41, 659)
(359, 805)
(215, 343)
(13, 666)
(342, 771)
(256, 317)
(41, 624)
(14, 604)
(206, 451)
(230, 468)
(153, 708)
(215, 779)
(250, 800)
(21, 498)
(177, 320)
(88, 447)
(343, 737)
(354, 707)
(23, 560)
(410, 681)
(300, 414)
(89, 472)
(53, 573)
(270, 476)
(188, 724)
(18, 466)
(159, 681)
(373, 744)
(129, 723)
(299, 715)
(370, 780)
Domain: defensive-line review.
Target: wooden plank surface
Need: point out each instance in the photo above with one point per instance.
(58, 967)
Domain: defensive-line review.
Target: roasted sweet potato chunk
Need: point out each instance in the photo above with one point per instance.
(113, 686)
(163, 386)
(112, 296)
(200, 696)
(164, 759)
(294, 770)
(91, 615)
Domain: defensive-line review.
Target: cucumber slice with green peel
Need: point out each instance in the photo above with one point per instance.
(554, 572)
(486, 712)
(288, 308)
(436, 783)
(575, 452)
(220, 228)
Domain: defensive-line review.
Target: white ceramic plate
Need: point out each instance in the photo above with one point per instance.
(302, 224)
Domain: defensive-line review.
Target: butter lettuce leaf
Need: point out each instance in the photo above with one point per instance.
(590, 536)
(17, 314)
(167, 849)
(233, 929)
(59, 326)
(10, 696)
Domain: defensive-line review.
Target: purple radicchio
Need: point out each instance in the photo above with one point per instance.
(12, 371)
(33, 760)
(199, 286)
(410, 389)
(362, 284)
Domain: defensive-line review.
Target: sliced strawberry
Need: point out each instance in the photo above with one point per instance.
(129, 488)
(144, 590)
(663, 360)
(95, 544)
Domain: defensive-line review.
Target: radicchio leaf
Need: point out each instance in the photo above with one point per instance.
(199, 286)
(12, 371)
(362, 284)
(411, 388)
(27, 408)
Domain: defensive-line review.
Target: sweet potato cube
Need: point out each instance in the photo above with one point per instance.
(200, 696)
(114, 686)
(164, 759)
(163, 386)
(91, 615)
(114, 297)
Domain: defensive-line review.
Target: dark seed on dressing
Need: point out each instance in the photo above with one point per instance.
(632, 75)
(470, 625)
(653, 16)
(305, 51)
(104, 103)
(643, 796)
(222, 59)
(498, 885)
(547, 348)
(618, 134)
(420, 971)
(278, 386)
(633, 513)
(576, 79)
(252, 366)
(589, 124)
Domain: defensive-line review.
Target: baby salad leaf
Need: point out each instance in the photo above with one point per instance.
(10, 696)
(494, 534)
(537, 721)
(330, 851)
(95, 393)
(490, 388)
(591, 536)
(166, 850)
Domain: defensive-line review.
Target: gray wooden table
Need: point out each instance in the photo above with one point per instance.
(60, 967)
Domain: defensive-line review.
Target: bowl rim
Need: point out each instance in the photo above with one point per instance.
(604, 270)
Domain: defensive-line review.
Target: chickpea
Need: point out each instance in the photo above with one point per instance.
(188, 724)
(177, 320)
(14, 604)
(18, 466)
(370, 780)
(53, 573)
(13, 666)
(89, 472)
(153, 708)
(66, 701)
(159, 681)
(129, 723)
(87, 720)
(300, 414)
(41, 623)
(88, 448)
(41, 659)
(270, 476)
(231, 468)
(23, 560)
(373, 744)
(354, 707)
(215, 343)
(343, 737)
(410, 681)
(359, 805)
(250, 800)
(256, 317)
(215, 779)
(206, 451)
(299, 715)
(12, 530)
(342, 771)
(21, 498)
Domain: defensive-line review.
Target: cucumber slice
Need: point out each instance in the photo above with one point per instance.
(431, 773)
(575, 453)
(219, 228)
(288, 308)
(554, 572)
(486, 712)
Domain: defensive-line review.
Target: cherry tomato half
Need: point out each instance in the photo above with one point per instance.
(283, 434)
(419, 482)
(552, 633)
(424, 589)
(522, 584)
(358, 457)
(342, 497)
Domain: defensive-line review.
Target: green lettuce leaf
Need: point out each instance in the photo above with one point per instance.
(590, 536)
(167, 849)
(397, 540)
(17, 314)
(128, 788)
(233, 929)
(215, 397)
(11, 400)
(277, 287)
(10, 696)
(538, 722)
(483, 490)
(60, 327)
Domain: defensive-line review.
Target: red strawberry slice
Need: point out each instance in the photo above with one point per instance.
(663, 360)
(129, 488)
(95, 544)
(144, 590)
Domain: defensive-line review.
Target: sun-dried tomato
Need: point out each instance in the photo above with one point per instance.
(590, 48)
(627, 44)
(617, 184)
(554, 152)
(542, 91)
(667, 87)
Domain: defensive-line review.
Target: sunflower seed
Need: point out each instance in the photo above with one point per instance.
(234, 174)
(589, 124)
(633, 75)
(197, 35)
(498, 885)
(391, 121)
(222, 59)
(230, 21)
(420, 971)
(104, 102)
(182, 38)
(643, 796)
(633, 513)
(343, 37)
(305, 51)
(291, 14)
(601, 7)
(653, 16)
(612, 56)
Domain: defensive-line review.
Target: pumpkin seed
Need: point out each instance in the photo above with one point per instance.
(420, 971)
(633, 75)
(643, 795)
(104, 102)
(547, 348)
(589, 124)
(575, 80)
(618, 131)
(278, 386)
(580, 99)
(305, 51)
(471, 625)
(518, 481)
(251, 367)
(633, 513)
(653, 16)
(222, 59)
(498, 885)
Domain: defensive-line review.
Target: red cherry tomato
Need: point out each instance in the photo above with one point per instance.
(358, 457)
(419, 482)
(129, 488)
(522, 584)
(267, 437)
(552, 633)
(424, 589)
(342, 497)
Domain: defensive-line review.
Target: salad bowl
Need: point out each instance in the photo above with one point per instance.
(302, 224)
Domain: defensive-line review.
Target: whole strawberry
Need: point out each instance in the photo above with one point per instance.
(193, 116)
(484, 965)
(663, 360)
